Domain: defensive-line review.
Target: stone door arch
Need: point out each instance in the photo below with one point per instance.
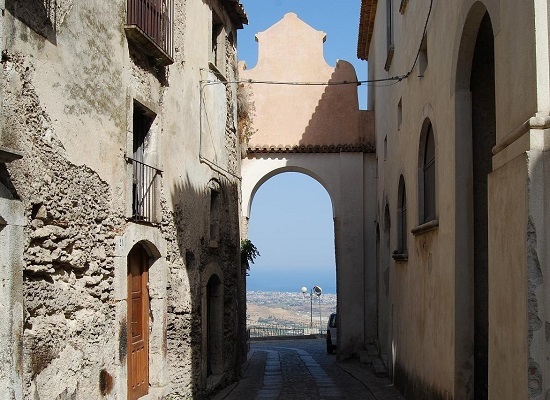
(344, 176)
(153, 250)
(138, 322)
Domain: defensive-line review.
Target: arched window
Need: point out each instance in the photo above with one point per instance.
(428, 176)
(215, 212)
(402, 217)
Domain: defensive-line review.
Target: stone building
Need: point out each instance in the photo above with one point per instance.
(119, 199)
(462, 111)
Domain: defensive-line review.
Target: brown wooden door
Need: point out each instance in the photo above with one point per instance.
(138, 323)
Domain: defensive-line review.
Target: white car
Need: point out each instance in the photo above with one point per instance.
(332, 333)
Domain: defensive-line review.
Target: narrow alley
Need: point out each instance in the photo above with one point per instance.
(301, 369)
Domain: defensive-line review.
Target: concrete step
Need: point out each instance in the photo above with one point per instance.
(379, 367)
(385, 359)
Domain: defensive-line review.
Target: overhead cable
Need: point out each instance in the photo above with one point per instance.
(394, 79)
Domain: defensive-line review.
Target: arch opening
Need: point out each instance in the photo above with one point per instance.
(292, 226)
(282, 170)
(482, 87)
(475, 138)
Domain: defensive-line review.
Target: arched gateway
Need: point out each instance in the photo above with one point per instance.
(318, 130)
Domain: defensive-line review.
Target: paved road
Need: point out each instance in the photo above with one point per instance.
(300, 370)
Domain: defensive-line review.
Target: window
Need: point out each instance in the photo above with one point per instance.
(385, 148)
(144, 176)
(217, 53)
(389, 33)
(215, 207)
(423, 57)
(428, 175)
(402, 218)
(399, 114)
(150, 27)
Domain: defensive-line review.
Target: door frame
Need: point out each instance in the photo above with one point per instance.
(143, 259)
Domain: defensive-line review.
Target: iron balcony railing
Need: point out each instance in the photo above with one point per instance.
(144, 184)
(154, 18)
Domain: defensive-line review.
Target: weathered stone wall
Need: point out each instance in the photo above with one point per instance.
(69, 82)
(69, 313)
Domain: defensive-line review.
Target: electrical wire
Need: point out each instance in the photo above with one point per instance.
(421, 40)
(371, 82)
(294, 83)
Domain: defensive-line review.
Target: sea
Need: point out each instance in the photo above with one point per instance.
(284, 280)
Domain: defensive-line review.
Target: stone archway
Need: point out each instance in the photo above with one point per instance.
(344, 177)
(152, 246)
(137, 322)
(319, 130)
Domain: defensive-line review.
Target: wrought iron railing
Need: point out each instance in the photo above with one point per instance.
(144, 183)
(155, 19)
(267, 330)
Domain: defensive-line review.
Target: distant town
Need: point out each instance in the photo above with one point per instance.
(289, 310)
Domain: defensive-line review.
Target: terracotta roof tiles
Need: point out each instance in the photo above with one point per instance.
(333, 148)
(236, 12)
(366, 27)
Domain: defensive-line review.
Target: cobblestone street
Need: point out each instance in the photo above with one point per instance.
(301, 369)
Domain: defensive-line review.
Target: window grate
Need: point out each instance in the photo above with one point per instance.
(144, 182)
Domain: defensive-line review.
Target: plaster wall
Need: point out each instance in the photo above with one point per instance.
(509, 294)
(436, 268)
(289, 115)
(70, 86)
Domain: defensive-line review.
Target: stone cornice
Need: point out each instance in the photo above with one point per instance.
(332, 148)
(236, 12)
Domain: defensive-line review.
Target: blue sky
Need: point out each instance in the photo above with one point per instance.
(291, 225)
(291, 216)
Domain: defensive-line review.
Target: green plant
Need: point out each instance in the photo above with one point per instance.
(246, 111)
(249, 252)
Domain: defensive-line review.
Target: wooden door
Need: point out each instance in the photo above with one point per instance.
(138, 323)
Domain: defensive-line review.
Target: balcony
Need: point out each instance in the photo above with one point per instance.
(150, 27)
(144, 190)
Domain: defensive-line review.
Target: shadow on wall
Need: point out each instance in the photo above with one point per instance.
(38, 15)
(192, 248)
(8, 187)
(335, 120)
